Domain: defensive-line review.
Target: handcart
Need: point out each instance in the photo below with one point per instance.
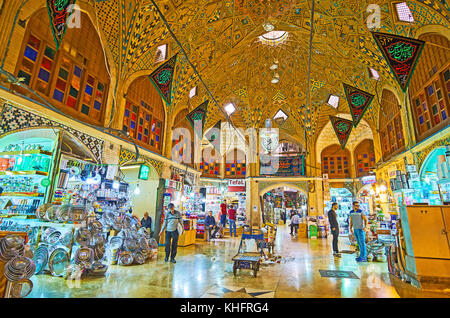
(246, 259)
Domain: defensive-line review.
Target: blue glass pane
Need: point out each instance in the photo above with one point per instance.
(58, 95)
(147, 117)
(30, 53)
(127, 113)
(88, 90)
(444, 115)
(44, 75)
(133, 125)
(421, 120)
(145, 131)
(157, 138)
(430, 90)
(139, 136)
(97, 105)
(77, 71)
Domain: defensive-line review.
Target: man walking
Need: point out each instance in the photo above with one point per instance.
(223, 213)
(210, 225)
(295, 221)
(171, 221)
(232, 220)
(334, 226)
(358, 222)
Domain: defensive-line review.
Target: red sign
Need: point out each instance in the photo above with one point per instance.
(236, 185)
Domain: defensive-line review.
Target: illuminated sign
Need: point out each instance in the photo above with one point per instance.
(144, 172)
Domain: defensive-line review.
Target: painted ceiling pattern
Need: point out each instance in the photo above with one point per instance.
(221, 38)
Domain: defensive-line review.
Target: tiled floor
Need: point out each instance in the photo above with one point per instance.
(206, 270)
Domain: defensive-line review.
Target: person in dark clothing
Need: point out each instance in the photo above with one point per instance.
(147, 222)
(210, 225)
(334, 226)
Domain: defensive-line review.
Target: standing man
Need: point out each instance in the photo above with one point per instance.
(147, 222)
(358, 223)
(334, 226)
(232, 220)
(171, 221)
(223, 213)
(210, 225)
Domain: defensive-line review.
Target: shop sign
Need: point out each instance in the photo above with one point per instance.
(369, 180)
(287, 166)
(236, 185)
(174, 185)
(144, 172)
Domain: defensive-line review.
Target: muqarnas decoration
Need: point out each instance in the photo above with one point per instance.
(198, 114)
(358, 102)
(59, 12)
(401, 54)
(342, 127)
(162, 78)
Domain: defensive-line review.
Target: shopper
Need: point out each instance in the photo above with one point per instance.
(147, 222)
(232, 220)
(171, 221)
(291, 214)
(283, 216)
(223, 213)
(295, 221)
(210, 225)
(358, 223)
(334, 227)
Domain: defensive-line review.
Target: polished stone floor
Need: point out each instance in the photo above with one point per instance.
(206, 270)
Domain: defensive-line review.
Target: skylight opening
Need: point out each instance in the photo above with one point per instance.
(161, 53)
(333, 101)
(193, 92)
(373, 74)
(274, 37)
(280, 116)
(229, 108)
(403, 12)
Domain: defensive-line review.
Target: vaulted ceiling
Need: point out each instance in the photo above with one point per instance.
(222, 40)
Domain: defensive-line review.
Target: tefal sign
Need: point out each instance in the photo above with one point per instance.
(236, 185)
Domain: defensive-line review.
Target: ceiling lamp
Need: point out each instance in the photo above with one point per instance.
(268, 27)
(275, 80)
(333, 101)
(230, 108)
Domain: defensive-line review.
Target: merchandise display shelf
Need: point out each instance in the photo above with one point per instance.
(25, 152)
(24, 173)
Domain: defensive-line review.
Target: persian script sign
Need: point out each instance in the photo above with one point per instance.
(358, 102)
(402, 55)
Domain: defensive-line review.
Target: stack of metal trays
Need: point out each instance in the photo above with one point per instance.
(41, 258)
(125, 258)
(83, 236)
(84, 257)
(10, 246)
(18, 268)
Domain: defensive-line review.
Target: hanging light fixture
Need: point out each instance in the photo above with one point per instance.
(137, 191)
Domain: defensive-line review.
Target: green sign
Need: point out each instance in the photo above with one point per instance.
(45, 182)
(144, 172)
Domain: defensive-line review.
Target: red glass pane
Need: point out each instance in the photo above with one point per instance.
(71, 102)
(34, 42)
(133, 116)
(46, 63)
(91, 80)
(61, 85)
